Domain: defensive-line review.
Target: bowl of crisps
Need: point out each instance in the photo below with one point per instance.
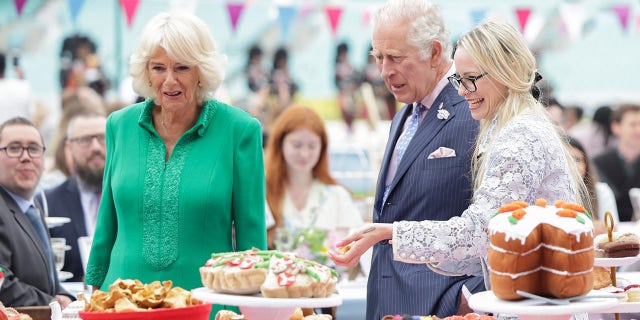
(131, 299)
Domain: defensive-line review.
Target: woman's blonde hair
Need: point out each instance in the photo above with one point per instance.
(187, 39)
(498, 49)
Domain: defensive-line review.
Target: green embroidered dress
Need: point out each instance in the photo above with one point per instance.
(161, 220)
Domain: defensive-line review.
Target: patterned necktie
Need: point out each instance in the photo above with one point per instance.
(36, 222)
(405, 138)
(410, 131)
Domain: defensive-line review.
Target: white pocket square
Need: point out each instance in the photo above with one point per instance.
(442, 152)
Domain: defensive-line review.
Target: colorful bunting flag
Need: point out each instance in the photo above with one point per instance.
(523, 16)
(573, 17)
(130, 7)
(623, 11)
(235, 10)
(188, 6)
(305, 9)
(74, 7)
(366, 17)
(285, 16)
(19, 5)
(334, 14)
(478, 15)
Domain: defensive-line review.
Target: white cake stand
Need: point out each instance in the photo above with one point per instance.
(529, 309)
(257, 307)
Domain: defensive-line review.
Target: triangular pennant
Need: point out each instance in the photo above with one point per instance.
(623, 11)
(19, 5)
(573, 17)
(74, 7)
(306, 9)
(478, 15)
(235, 10)
(285, 16)
(523, 16)
(130, 7)
(334, 14)
(188, 6)
(366, 17)
(535, 24)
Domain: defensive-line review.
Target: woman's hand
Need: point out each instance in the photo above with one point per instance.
(352, 247)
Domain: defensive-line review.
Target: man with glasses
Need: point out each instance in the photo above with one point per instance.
(25, 253)
(78, 197)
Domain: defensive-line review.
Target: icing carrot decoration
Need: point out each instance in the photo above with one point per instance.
(518, 214)
(541, 202)
(573, 206)
(522, 204)
(509, 207)
(567, 213)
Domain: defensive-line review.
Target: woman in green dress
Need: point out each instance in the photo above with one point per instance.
(184, 173)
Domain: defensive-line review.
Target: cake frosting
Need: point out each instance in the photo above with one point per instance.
(541, 249)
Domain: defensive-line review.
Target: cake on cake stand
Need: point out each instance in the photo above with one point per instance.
(257, 307)
(529, 309)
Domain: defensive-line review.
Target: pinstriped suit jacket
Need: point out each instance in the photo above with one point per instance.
(423, 189)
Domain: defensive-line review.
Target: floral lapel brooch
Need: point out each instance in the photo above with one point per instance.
(443, 114)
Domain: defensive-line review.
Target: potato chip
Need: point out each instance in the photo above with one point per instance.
(177, 298)
(123, 304)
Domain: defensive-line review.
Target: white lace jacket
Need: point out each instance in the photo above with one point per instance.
(524, 163)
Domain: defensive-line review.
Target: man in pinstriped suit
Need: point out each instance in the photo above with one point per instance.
(413, 51)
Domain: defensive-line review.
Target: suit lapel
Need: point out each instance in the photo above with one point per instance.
(428, 129)
(24, 223)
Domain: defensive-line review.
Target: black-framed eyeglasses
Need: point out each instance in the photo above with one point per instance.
(85, 141)
(16, 150)
(469, 83)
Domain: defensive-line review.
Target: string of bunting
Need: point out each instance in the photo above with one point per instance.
(573, 14)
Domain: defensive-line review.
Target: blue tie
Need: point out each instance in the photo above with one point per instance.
(36, 222)
(405, 138)
(410, 131)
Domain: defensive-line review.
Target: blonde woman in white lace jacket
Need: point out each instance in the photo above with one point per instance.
(519, 155)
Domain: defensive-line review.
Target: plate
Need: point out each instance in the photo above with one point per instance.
(64, 275)
(257, 300)
(53, 222)
(615, 262)
(486, 301)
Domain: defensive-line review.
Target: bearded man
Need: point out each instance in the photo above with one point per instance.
(78, 197)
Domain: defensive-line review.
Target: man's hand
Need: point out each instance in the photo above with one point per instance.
(63, 300)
